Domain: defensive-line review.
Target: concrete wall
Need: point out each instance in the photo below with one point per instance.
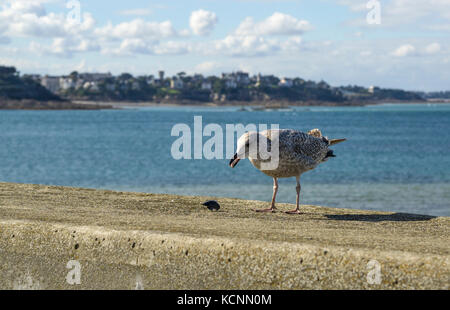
(35, 256)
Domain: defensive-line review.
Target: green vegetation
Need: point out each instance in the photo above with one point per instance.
(230, 87)
(15, 87)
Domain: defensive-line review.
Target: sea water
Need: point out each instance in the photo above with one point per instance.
(396, 157)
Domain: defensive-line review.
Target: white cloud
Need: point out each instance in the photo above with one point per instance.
(246, 45)
(129, 47)
(260, 38)
(137, 28)
(65, 47)
(172, 48)
(202, 22)
(430, 14)
(440, 27)
(404, 50)
(410, 50)
(276, 24)
(433, 48)
(138, 36)
(29, 18)
(292, 44)
(133, 46)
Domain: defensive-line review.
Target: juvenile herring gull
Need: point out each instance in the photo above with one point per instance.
(298, 152)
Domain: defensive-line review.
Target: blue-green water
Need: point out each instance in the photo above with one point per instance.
(397, 157)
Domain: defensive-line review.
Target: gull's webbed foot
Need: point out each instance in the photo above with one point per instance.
(293, 212)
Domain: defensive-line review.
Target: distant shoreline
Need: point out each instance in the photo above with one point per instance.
(244, 104)
(7, 104)
(29, 104)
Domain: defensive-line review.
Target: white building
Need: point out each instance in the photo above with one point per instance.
(151, 81)
(79, 83)
(242, 78)
(176, 83)
(285, 82)
(66, 83)
(238, 78)
(51, 83)
(91, 86)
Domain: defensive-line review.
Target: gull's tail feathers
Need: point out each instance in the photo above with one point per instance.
(318, 134)
(336, 141)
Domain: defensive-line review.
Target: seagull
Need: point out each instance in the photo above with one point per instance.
(298, 152)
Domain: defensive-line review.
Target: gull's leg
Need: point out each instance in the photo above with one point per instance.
(297, 209)
(272, 206)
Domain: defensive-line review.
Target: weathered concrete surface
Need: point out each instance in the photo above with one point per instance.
(172, 242)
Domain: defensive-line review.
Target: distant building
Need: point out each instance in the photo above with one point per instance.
(264, 80)
(160, 81)
(51, 83)
(135, 85)
(79, 83)
(242, 78)
(236, 78)
(197, 77)
(91, 86)
(299, 82)
(110, 87)
(285, 82)
(206, 85)
(161, 75)
(371, 89)
(258, 80)
(323, 84)
(34, 77)
(66, 83)
(310, 84)
(176, 83)
(151, 81)
(230, 83)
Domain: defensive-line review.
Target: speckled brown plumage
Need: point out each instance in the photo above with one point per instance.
(298, 152)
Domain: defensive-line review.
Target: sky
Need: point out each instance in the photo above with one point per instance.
(403, 44)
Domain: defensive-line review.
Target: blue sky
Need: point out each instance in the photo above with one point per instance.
(313, 39)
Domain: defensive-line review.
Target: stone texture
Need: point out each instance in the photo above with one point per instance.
(125, 240)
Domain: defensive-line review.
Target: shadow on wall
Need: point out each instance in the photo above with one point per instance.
(395, 217)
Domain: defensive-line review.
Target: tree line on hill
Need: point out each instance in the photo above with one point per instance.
(16, 87)
(231, 87)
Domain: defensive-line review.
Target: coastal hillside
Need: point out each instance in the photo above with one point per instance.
(236, 87)
(26, 93)
(16, 87)
(230, 88)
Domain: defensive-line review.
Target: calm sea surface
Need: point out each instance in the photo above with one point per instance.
(397, 157)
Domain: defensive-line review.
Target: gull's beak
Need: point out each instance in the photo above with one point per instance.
(234, 161)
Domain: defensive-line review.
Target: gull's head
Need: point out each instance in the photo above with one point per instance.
(247, 147)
